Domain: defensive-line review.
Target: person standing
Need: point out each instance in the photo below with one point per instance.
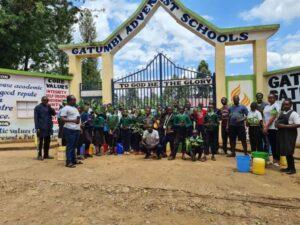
(224, 121)
(271, 113)
(287, 124)
(260, 107)
(71, 117)
(181, 123)
(125, 126)
(168, 131)
(255, 122)
(44, 127)
(236, 125)
(211, 124)
(198, 116)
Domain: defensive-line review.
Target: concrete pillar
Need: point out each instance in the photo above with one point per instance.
(260, 65)
(220, 72)
(107, 76)
(75, 69)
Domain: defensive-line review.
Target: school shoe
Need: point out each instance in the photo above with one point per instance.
(203, 159)
(231, 155)
(147, 157)
(213, 158)
(48, 157)
(158, 157)
(40, 158)
(276, 164)
(78, 162)
(285, 170)
(291, 172)
(171, 158)
(70, 165)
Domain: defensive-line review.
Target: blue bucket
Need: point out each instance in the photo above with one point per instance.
(120, 149)
(243, 163)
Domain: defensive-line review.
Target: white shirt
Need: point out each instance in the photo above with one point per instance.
(267, 114)
(151, 138)
(294, 117)
(71, 113)
(255, 115)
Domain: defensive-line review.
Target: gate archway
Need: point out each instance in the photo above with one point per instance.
(218, 37)
(162, 82)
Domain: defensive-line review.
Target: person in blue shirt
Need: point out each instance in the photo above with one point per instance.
(236, 125)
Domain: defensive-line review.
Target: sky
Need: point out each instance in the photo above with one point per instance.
(163, 34)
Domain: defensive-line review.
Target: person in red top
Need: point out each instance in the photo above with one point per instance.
(198, 116)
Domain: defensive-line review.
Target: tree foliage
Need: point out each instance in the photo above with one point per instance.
(87, 27)
(30, 32)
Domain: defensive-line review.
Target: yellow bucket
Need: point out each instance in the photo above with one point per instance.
(61, 153)
(283, 162)
(92, 149)
(258, 167)
(168, 148)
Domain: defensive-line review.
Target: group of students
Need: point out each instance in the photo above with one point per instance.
(196, 130)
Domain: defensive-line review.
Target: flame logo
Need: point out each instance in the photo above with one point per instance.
(246, 100)
(236, 91)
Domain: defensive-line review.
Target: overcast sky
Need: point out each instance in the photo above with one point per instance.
(163, 34)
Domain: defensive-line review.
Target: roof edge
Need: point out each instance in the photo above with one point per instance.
(285, 70)
(34, 74)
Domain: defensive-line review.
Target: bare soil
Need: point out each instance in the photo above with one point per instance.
(130, 190)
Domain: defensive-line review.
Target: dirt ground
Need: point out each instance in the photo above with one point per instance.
(125, 190)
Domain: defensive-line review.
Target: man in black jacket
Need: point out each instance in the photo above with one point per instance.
(44, 127)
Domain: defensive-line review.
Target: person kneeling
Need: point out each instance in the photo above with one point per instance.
(195, 146)
(150, 142)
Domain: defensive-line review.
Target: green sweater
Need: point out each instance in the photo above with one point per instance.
(98, 122)
(113, 122)
(182, 118)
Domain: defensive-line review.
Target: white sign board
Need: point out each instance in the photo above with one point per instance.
(18, 97)
(165, 83)
(287, 85)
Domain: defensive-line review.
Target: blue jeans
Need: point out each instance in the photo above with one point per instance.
(72, 137)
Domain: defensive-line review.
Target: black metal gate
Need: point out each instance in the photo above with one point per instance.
(163, 83)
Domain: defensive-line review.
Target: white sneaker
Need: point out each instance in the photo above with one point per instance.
(276, 164)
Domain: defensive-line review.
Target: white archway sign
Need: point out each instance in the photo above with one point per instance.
(218, 37)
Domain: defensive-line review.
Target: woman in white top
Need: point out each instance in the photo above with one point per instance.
(271, 113)
(287, 125)
(254, 122)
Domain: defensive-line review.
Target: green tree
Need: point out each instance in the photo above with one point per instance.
(30, 32)
(203, 70)
(87, 27)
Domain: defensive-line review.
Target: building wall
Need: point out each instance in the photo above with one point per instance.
(15, 92)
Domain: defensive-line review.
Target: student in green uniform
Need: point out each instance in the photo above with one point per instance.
(182, 123)
(195, 146)
(112, 122)
(137, 131)
(98, 134)
(125, 126)
(211, 126)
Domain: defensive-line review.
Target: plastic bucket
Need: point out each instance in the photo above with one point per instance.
(259, 166)
(283, 162)
(120, 149)
(260, 155)
(243, 163)
(105, 148)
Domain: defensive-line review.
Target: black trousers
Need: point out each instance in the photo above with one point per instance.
(135, 141)
(255, 136)
(44, 143)
(180, 137)
(194, 151)
(291, 162)
(272, 137)
(225, 136)
(125, 138)
(148, 151)
(170, 137)
(212, 141)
